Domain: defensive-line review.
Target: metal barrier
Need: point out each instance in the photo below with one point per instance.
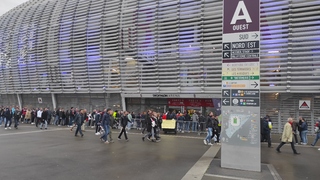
(182, 126)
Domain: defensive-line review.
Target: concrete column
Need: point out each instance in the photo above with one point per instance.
(54, 101)
(123, 103)
(19, 100)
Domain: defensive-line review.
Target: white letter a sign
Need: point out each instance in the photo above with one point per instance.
(237, 16)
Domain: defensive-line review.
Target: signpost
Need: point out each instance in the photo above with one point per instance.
(241, 85)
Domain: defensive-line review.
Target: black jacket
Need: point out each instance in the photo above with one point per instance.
(77, 119)
(124, 121)
(44, 115)
(17, 114)
(210, 122)
(8, 114)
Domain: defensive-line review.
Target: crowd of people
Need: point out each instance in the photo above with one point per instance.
(149, 122)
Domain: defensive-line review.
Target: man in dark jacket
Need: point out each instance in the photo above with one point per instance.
(124, 122)
(8, 116)
(44, 119)
(1, 115)
(105, 122)
(79, 119)
(266, 131)
(209, 128)
(16, 117)
(215, 129)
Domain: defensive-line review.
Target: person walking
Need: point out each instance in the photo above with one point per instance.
(209, 128)
(124, 122)
(98, 122)
(8, 117)
(79, 119)
(317, 131)
(105, 125)
(1, 115)
(304, 131)
(287, 136)
(16, 117)
(44, 119)
(266, 131)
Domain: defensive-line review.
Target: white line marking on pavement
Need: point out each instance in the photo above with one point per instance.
(200, 167)
(227, 177)
(274, 172)
(29, 132)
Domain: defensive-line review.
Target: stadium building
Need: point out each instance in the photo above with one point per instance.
(158, 54)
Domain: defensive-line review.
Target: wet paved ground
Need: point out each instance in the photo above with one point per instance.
(29, 153)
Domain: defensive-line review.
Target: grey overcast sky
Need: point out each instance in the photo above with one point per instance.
(6, 5)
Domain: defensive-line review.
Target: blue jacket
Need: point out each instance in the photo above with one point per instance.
(304, 126)
(266, 129)
(105, 119)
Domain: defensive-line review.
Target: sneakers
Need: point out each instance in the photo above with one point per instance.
(9, 127)
(107, 142)
(319, 149)
(97, 134)
(209, 144)
(5, 128)
(119, 139)
(205, 142)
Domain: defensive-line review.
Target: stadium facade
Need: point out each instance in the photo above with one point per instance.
(134, 55)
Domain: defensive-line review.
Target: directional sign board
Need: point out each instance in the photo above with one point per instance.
(241, 85)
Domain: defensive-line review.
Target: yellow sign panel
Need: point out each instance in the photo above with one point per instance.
(240, 69)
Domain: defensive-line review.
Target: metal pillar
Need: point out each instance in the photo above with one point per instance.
(54, 101)
(19, 100)
(123, 103)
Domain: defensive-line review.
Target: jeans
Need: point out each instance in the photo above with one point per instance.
(79, 130)
(316, 139)
(45, 124)
(71, 121)
(187, 126)
(16, 122)
(106, 132)
(63, 121)
(129, 125)
(8, 122)
(56, 120)
(304, 136)
(194, 126)
(180, 123)
(208, 138)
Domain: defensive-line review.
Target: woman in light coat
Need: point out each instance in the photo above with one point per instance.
(287, 136)
(28, 116)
